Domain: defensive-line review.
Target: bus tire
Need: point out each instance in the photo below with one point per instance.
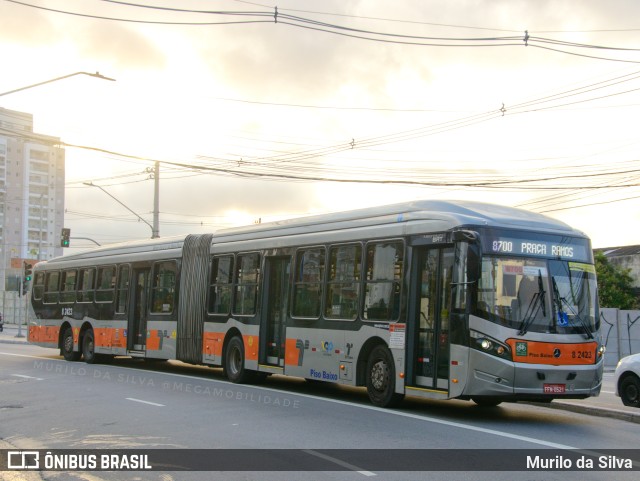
(630, 391)
(89, 348)
(67, 346)
(380, 377)
(234, 361)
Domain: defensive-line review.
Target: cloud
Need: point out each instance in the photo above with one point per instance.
(100, 40)
(26, 26)
(119, 45)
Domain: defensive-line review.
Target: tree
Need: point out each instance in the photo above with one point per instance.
(615, 285)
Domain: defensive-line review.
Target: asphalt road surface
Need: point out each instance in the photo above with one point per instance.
(49, 404)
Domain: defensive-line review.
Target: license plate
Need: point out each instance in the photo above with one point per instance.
(554, 388)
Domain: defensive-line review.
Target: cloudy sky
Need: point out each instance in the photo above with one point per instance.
(332, 104)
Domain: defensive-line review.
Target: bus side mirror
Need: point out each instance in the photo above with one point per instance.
(469, 236)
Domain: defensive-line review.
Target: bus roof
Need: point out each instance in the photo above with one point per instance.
(442, 214)
(453, 213)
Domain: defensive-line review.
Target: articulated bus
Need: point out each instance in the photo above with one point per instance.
(434, 299)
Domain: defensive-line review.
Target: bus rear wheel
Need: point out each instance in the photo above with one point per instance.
(67, 346)
(89, 348)
(381, 376)
(234, 361)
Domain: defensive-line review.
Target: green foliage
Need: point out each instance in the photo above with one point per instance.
(615, 285)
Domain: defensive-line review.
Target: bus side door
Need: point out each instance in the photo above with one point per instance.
(428, 346)
(139, 309)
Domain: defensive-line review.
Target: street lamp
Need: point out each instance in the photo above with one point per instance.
(154, 230)
(96, 75)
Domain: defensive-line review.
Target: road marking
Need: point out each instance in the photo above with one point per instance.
(28, 377)
(339, 462)
(387, 412)
(144, 402)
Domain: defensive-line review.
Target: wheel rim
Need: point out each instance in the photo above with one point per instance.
(379, 375)
(89, 345)
(68, 343)
(631, 392)
(235, 359)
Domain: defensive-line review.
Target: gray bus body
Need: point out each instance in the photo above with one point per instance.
(436, 299)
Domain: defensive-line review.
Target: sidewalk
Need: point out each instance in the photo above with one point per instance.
(9, 333)
(593, 406)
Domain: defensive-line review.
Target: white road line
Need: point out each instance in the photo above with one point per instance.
(28, 377)
(339, 462)
(144, 402)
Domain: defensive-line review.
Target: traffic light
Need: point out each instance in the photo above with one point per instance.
(28, 271)
(64, 237)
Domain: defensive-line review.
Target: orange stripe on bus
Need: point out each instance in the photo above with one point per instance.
(109, 337)
(44, 334)
(292, 352)
(250, 348)
(212, 343)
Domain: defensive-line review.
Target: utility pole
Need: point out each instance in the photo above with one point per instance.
(156, 202)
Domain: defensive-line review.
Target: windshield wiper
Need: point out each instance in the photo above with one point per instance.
(559, 301)
(537, 301)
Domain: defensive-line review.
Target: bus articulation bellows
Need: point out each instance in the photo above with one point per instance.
(435, 299)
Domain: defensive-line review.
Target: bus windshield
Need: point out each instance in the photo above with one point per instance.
(538, 295)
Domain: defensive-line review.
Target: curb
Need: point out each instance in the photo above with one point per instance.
(9, 341)
(591, 411)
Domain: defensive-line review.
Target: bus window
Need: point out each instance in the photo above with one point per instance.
(105, 283)
(122, 292)
(383, 280)
(247, 275)
(343, 286)
(308, 283)
(38, 286)
(51, 287)
(163, 288)
(220, 285)
(85, 284)
(68, 287)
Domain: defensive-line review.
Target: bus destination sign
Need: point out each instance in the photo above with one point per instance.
(537, 248)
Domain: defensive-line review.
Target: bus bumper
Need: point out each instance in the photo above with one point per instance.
(495, 377)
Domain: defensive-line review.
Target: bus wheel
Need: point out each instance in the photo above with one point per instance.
(234, 361)
(67, 346)
(381, 375)
(89, 347)
(630, 391)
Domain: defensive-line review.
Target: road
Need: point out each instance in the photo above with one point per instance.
(47, 403)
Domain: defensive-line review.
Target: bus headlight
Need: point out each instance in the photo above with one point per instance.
(489, 345)
(601, 350)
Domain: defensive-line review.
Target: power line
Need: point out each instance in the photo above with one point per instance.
(283, 18)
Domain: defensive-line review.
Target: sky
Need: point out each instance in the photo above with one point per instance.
(330, 105)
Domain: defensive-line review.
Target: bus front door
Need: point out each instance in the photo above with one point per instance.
(139, 312)
(430, 331)
(277, 272)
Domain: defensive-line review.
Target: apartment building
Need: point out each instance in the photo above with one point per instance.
(31, 195)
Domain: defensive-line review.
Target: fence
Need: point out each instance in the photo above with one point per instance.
(12, 307)
(620, 333)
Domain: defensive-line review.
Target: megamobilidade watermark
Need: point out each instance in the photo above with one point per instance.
(150, 381)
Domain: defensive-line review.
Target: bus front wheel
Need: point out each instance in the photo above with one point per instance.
(381, 376)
